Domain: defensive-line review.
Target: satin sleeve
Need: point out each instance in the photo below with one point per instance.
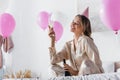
(56, 57)
(92, 52)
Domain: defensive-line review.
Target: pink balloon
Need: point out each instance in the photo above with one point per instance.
(57, 27)
(112, 13)
(43, 19)
(103, 18)
(7, 24)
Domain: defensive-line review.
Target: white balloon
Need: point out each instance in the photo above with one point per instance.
(3, 5)
(60, 17)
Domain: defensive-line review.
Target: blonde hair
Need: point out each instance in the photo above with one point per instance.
(85, 22)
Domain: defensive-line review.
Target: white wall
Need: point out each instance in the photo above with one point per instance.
(31, 42)
(108, 44)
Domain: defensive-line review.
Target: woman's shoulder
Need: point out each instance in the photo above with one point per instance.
(69, 42)
(84, 37)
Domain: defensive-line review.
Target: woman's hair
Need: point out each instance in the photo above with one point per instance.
(85, 22)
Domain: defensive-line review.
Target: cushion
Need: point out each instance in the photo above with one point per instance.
(117, 66)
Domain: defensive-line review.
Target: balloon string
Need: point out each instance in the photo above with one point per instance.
(116, 32)
(116, 36)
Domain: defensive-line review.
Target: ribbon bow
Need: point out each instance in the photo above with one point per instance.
(7, 47)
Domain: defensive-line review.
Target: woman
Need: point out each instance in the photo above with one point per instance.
(81, 51)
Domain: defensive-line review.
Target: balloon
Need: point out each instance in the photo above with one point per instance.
(7, 24)
(43, 19)
(57, 27)
(59, 16)
(112, 14)
(103, 17)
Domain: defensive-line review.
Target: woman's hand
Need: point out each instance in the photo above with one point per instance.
(70, 69)
(51, 34)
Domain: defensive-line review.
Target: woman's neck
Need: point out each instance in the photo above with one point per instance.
(76, 37)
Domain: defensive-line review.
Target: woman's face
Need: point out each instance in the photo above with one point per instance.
(76, 26)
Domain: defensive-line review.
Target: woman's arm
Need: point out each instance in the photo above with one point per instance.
(56, 57)
(70, 69)
(92, 52)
